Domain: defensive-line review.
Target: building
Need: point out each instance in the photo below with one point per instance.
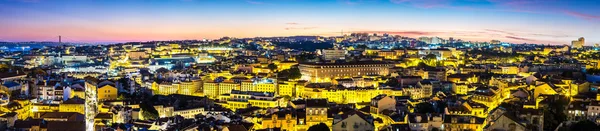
(578, 44)
(353, 121)
(237, 99)
(214, 89)
(356, 82)
(515, 120)
(185, 87)
(381, 103)
(333, 54)
(343, 95)
(72, 105)
(326, 72)
(316, 112)
(458, 123)
(107, 91)
(284, 119)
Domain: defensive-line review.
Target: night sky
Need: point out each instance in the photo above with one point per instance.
(517, 21)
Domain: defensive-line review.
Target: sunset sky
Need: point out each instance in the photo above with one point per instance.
(517, 21)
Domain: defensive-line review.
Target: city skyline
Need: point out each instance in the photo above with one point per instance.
(541, 22)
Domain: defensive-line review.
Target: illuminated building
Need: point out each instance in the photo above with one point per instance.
(137, 55)
(166, 88)
(107, 91)
(460, 88)
(291, 88)
(356, 82)
(457, 123)
(490, 96)
(371, 52)
(333, 54)
(214, 89)
(101, 120)
(463, 78)
(391, 55)
(353, 121)
(258, 86)
(243, 99)
(284, 64)
(286, 120)
(190, 87)
(543, 89)
(72, 105)
(343, 95)
(81, 75)
(188, 113)
(205, 58)
(77, 91)
(441, 53)
(381, 103)
(73, 59)
(415, 92)
(419, 122)
(186, 87)
(210, 89)
(326, 72)
(316, 112)
(427, 87)
(509, 70)
(521, 119)
(216, 50)
(44, 107)
(169, 63)
(91, 102)
(578, 44)
(436, 74)
(467, 109)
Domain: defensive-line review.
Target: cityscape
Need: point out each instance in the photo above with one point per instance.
(276, 65)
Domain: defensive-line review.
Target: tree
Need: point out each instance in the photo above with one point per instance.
(295, 73)
(430, 59)
(424, 107)
(272, 67)
(319, 127)
(39, 71)
(305, 57)
(361, 47)
(554, 113)
(162, 70)
(584, 125)
(392, 82)
(148, 111)
(287, 97)
(4, 68)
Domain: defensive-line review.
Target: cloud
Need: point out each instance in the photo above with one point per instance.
(350, 2)
(424, 3)
(300, 28)
(27, 1)
(527, 34)
(402, 33)
(519, 38)
(499, 31)
(291, 23)
(254, 2)
(549, 35)
(581, 15)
